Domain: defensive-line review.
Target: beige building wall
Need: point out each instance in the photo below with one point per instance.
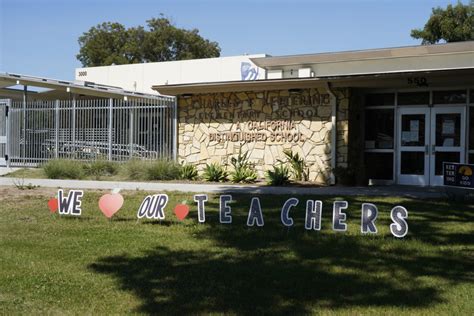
(214, 127)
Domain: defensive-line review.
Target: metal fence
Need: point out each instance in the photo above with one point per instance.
(111, 129)
(3, 130)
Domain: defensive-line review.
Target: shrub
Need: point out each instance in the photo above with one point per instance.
(242, 170)
(152, 170)
(215, 173)
(279, 176)
(299, 169)
(189, 172)
(163, 170)
(243, 176)
(101, 168)
(63, 169)
(136, 169)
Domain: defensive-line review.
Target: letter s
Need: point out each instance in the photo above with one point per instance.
(399, 228)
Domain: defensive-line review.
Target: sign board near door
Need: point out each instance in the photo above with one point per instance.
(458, 175)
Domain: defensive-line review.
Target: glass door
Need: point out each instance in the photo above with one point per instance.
(447, 139)
(413, 163)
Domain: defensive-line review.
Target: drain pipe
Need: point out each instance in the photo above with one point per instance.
(333, 102)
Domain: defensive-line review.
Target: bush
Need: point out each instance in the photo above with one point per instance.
(189, 172)
(298, 165)
(242, 170)
(152, 170)
(163, 170)
(214, 173)
(279, 176)
(136, 169)
(243, 176)
(101, 168)
(63, 169)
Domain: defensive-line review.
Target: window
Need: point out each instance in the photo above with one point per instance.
(414, 98)
(379, 129)
(378, 99)
(450, 97)
(471, 133)
(379, 166)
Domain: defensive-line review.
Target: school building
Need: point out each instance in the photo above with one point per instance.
(390, 115)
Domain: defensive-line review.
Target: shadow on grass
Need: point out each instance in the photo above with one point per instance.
(279, 271)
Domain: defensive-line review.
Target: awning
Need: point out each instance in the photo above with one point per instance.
(459, 77)
(63, 89)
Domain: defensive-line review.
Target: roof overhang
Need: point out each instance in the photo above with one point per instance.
(65, 88)
(440, 78)
(446, 50)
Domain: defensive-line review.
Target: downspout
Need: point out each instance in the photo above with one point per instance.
(333, 102)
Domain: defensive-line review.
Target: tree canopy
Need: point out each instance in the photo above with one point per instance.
(453, 24)
(111, 43)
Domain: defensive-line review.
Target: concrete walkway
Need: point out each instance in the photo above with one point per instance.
(396, 190)
(5, 170)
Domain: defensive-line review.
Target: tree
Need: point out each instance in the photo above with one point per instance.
(111, 43)
(453, 24)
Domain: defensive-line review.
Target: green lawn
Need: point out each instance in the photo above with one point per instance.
(56, 264)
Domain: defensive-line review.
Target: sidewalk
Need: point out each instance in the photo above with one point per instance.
(395, 190)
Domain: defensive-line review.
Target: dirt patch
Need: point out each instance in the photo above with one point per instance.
(11, 192)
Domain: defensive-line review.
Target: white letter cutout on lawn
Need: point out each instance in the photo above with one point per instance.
(153, 207)
(70, 205)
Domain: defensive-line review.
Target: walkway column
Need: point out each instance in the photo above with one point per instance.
(333, 101)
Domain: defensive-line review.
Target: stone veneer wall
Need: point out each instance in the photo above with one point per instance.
(214, 127)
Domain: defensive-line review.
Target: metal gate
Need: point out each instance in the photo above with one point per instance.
(111, 129)
(4, 106)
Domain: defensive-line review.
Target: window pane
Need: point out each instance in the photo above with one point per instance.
(449, 97)
(414, 98)
(441, 157)
(448, 129)
(471, 96)
(471, 127)
(413, 130)
(375, 99)
(379, 129)
(412, 162)
(471, 159)
(379, 166)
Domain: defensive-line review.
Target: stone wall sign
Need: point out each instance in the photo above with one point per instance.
(214, 127)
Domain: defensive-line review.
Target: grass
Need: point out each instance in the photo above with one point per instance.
(29, 173)
(56, 265)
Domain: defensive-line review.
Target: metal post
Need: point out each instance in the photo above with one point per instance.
(73, 126)
(131, 132)
(7, 133)
(175, 129)
(56, 127)
(111, 102)
(23, 149)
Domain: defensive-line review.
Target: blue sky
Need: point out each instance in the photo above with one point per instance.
(39, 37)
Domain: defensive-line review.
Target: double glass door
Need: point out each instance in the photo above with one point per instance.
(427, 137)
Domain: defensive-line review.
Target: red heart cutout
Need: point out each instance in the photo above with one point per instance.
(109, 204)
(181, 211)
(53, 205)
